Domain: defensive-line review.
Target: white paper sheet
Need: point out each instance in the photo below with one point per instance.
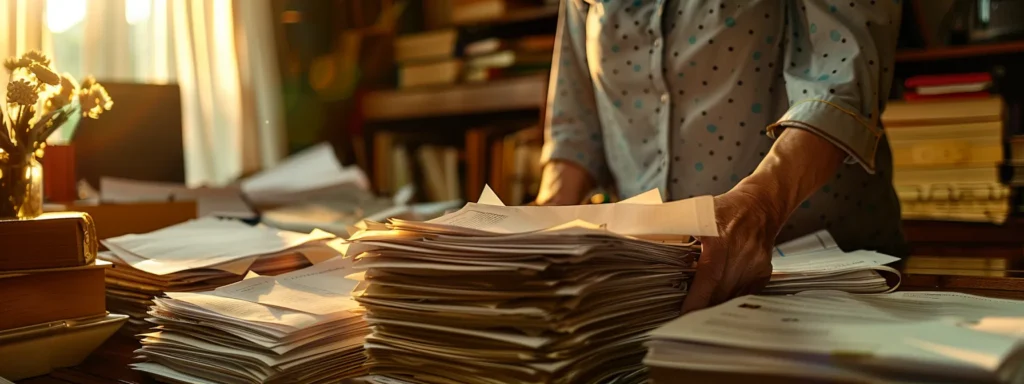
(321, 289)
(927, 327)
(690, 217)
(203, 243)
(829, 260)
(313, 169)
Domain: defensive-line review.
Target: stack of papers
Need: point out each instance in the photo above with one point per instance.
(347, 207)
(830, 336)
(815, 262)
(525, 294)
(299, 327)
(311, 174)
(200, 255)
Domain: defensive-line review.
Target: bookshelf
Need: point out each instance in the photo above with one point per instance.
(959, 52)
(523, 93)
(515, 15)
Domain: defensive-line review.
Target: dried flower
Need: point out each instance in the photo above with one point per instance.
(88, 82)
(67, 93)
(21, 92)
(13, 63)
(44, 74)
(94, 100)
(37, 57)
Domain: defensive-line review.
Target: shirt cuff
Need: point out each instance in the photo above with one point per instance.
(838, 123)
(584, 155)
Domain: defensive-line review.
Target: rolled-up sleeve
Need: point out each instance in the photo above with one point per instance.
(839, 58)
(572, 128)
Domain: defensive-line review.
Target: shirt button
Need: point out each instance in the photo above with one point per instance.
(664, 98)
(657, 43)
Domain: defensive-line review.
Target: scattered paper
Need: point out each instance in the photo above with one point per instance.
(210, 242)
(315, 170)
(321, 289)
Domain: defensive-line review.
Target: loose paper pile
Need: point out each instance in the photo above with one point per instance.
(299, 327)
(199, 255)
(830, 336)
(815, 262)
(498, 294)
(311, 174)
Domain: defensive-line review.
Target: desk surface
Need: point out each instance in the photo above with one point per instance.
(109, 363)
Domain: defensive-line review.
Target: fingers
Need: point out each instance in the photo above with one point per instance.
(710, 268)
(756, 284)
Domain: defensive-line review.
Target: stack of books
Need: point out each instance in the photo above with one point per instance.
(200, 255)
(833, 337)
(525, 294)
(52, 312)
(947, 155)
(299, 327)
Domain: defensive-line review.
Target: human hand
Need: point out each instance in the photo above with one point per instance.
(563, 183)
(738, 261)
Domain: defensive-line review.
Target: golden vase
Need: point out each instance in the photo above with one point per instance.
(21, 187)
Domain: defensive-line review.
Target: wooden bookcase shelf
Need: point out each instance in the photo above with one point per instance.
(523, 93)
(960, 51)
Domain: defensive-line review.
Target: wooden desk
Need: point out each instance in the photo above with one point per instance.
(107, 365)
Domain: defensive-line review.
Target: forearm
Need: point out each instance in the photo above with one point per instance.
(563, 183)
(799, 163)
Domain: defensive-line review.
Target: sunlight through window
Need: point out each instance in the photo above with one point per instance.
(61, 15)
(137, 11)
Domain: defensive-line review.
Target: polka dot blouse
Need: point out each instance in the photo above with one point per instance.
(686, 96)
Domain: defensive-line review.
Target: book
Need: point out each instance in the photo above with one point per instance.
(901, 113)
(426, 46)
(52, 240)
(45, 295)
(114, 220)
(445, 72)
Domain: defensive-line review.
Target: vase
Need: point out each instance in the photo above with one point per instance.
(21, 187)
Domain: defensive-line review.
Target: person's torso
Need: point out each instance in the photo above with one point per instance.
(685, 90)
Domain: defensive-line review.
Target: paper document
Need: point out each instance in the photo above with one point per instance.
(202, 243)
(313, 170)
(815, 262)
(932, 336)
(321, 289)
(223, 202)
(525, 294)
(690, 217)
(207, 337)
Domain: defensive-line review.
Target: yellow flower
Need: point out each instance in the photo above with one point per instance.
(21, 92)
(94, 100)
(68, 89)
(37, 57)
(88, 82)
(14, 63)
(44, 74)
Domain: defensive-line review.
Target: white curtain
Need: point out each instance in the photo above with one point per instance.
(220, 53)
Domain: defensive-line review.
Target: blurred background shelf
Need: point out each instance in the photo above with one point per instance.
(514, 15)
(514, 94)
(958, 52)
